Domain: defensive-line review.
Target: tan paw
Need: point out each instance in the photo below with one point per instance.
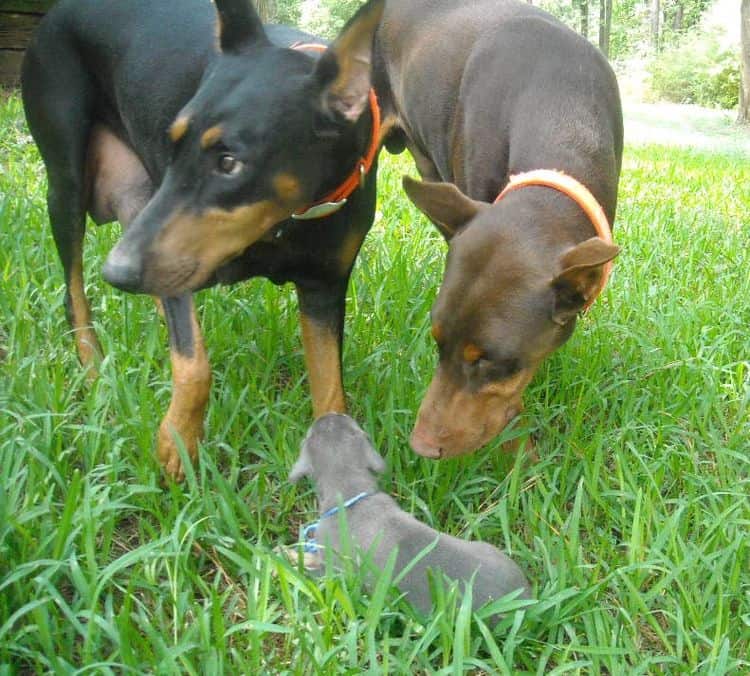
(89, 352)
(167, 448)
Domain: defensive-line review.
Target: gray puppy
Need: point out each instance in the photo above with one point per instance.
(342, 462)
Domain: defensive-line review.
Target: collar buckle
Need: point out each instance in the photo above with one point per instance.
(319, 210)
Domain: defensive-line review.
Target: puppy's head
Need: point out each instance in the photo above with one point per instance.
(336, 449)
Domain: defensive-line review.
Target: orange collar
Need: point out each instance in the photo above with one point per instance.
(336, 199)
(582, 196)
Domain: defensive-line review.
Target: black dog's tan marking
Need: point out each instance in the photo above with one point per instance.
(197, 244)
(348, 252)
(179, 128)
(87, 343)
(191, 384)
(202, 147)
(288, 188)
(211, 136)
(323, 366)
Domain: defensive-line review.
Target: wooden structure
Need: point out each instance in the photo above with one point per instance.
(18, 19)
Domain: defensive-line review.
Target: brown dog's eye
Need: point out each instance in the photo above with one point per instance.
(498, 370)
(228, 165)
(507, 368)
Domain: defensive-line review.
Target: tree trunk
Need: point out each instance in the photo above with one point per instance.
(584, 7)
(605, 25)
(678, 19)
(266, 9)
(744, 116)
(655, 16)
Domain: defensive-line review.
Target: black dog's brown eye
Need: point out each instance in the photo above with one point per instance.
(228, 164)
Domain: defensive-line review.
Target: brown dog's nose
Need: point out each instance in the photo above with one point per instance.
(424, 446)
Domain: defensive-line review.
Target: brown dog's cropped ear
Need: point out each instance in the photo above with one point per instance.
(582, 271)
(239, 25)
(302, 468)
(345, 69)
(443, 203)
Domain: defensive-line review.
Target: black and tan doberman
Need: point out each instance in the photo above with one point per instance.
(482, 91)
(225, 149)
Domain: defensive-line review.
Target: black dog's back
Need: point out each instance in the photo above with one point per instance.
(103, 59)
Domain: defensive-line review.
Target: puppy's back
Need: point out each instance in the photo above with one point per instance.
(382, 527)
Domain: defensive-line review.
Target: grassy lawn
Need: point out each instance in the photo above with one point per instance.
(686, 125)
(633, 526)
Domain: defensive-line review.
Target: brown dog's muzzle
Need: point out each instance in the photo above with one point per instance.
(455, 421)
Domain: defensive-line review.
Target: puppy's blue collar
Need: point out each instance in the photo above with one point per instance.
(307, 533)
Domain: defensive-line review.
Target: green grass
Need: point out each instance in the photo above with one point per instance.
(633, 526)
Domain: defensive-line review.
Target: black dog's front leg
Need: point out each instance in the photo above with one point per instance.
(191, 380)
(322, 316)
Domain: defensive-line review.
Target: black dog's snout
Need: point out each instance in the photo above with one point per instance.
(122, 272)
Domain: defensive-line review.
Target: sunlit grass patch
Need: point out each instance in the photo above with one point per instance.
(632, 526)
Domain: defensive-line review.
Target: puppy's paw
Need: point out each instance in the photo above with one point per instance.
(312, 562)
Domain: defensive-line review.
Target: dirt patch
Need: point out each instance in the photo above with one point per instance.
(6, 93)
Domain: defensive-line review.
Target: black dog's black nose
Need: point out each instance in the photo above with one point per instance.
(122, 272)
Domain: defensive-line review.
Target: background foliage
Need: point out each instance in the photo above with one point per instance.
(685, 61)
(699, 69)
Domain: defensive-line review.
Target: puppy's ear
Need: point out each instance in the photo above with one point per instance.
(302, 467)
(443, 203)
(345, 68)
(375, 462)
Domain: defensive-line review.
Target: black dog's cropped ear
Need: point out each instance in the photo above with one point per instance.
(443, 203)
(583, 266)
(345, 68)
(239, 25)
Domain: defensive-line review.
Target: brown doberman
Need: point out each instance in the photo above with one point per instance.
(481, 91)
